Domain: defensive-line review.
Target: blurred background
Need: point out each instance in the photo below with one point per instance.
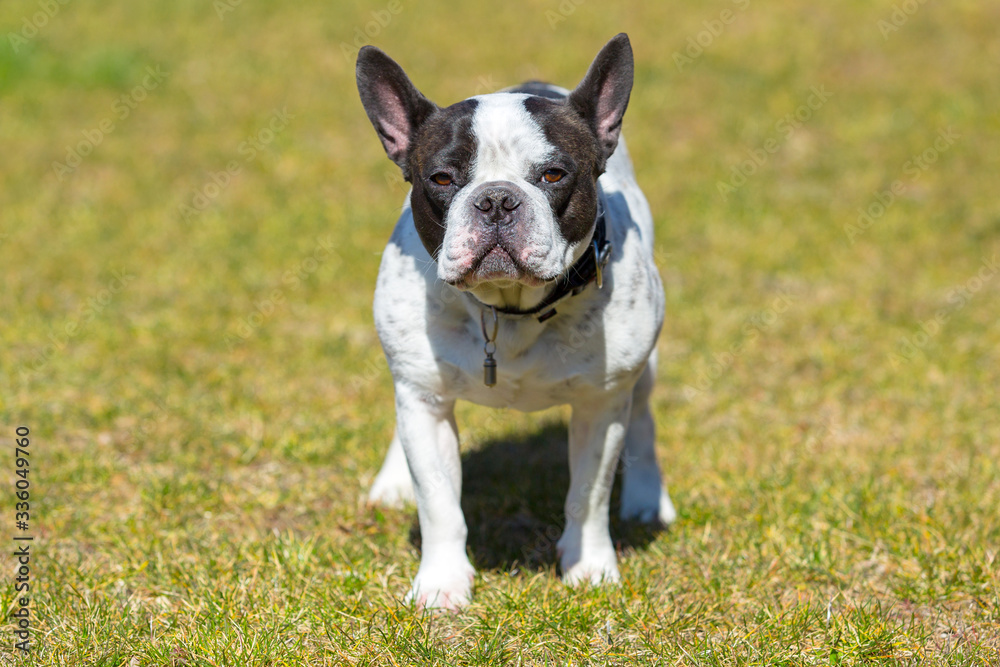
(192, 209)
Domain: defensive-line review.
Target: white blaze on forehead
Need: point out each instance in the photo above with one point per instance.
(509, 140)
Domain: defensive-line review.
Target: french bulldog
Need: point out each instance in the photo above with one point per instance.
(520, 275)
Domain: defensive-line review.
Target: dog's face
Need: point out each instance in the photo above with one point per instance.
(504, 185)
(494, 198)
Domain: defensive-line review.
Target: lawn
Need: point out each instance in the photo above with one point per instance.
(192, 208)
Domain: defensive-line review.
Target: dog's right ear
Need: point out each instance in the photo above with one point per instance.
(602, 96)
(394, 106)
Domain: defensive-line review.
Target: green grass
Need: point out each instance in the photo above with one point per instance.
(198, 470)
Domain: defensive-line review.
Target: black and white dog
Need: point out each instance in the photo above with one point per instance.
(520, 275)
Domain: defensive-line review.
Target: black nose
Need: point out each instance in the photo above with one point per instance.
(497, 197)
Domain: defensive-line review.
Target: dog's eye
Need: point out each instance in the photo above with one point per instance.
(553, 175)
(441, 178)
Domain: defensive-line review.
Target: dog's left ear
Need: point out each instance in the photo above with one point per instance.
(394, 105)
(602, 96)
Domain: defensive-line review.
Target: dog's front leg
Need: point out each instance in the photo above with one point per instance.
(426, 428)
(596, 434)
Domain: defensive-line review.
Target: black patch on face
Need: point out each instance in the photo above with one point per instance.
(444, 144)
(574, 198)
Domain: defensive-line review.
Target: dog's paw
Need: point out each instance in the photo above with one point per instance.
(392, 490)
(595, 565)
(645, 499)
(594, 571)
(667, 514)
(662, 511)
(443, 587)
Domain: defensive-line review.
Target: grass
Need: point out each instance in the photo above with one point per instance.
(206, 423)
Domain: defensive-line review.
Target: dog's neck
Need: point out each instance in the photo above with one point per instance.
(508, 294)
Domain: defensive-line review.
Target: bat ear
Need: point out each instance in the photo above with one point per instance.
(602, 96)
(394, 105)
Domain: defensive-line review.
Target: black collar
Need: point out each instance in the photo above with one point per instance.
(585, 270)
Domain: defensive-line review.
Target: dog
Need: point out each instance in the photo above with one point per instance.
(520, 275)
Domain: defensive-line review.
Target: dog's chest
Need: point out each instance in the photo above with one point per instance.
(538, 366)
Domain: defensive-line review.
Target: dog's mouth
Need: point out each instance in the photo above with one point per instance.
(499, 266)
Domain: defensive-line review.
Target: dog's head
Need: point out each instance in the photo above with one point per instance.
(504, 185)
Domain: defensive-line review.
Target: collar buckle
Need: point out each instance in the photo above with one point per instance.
(601, 257)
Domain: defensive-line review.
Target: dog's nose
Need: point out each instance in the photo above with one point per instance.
(497, 197)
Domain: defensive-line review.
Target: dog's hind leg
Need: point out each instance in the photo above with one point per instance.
(393, 486)
(644, 496)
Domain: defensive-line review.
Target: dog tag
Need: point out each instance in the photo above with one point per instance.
(489, 370)
(489, 363)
